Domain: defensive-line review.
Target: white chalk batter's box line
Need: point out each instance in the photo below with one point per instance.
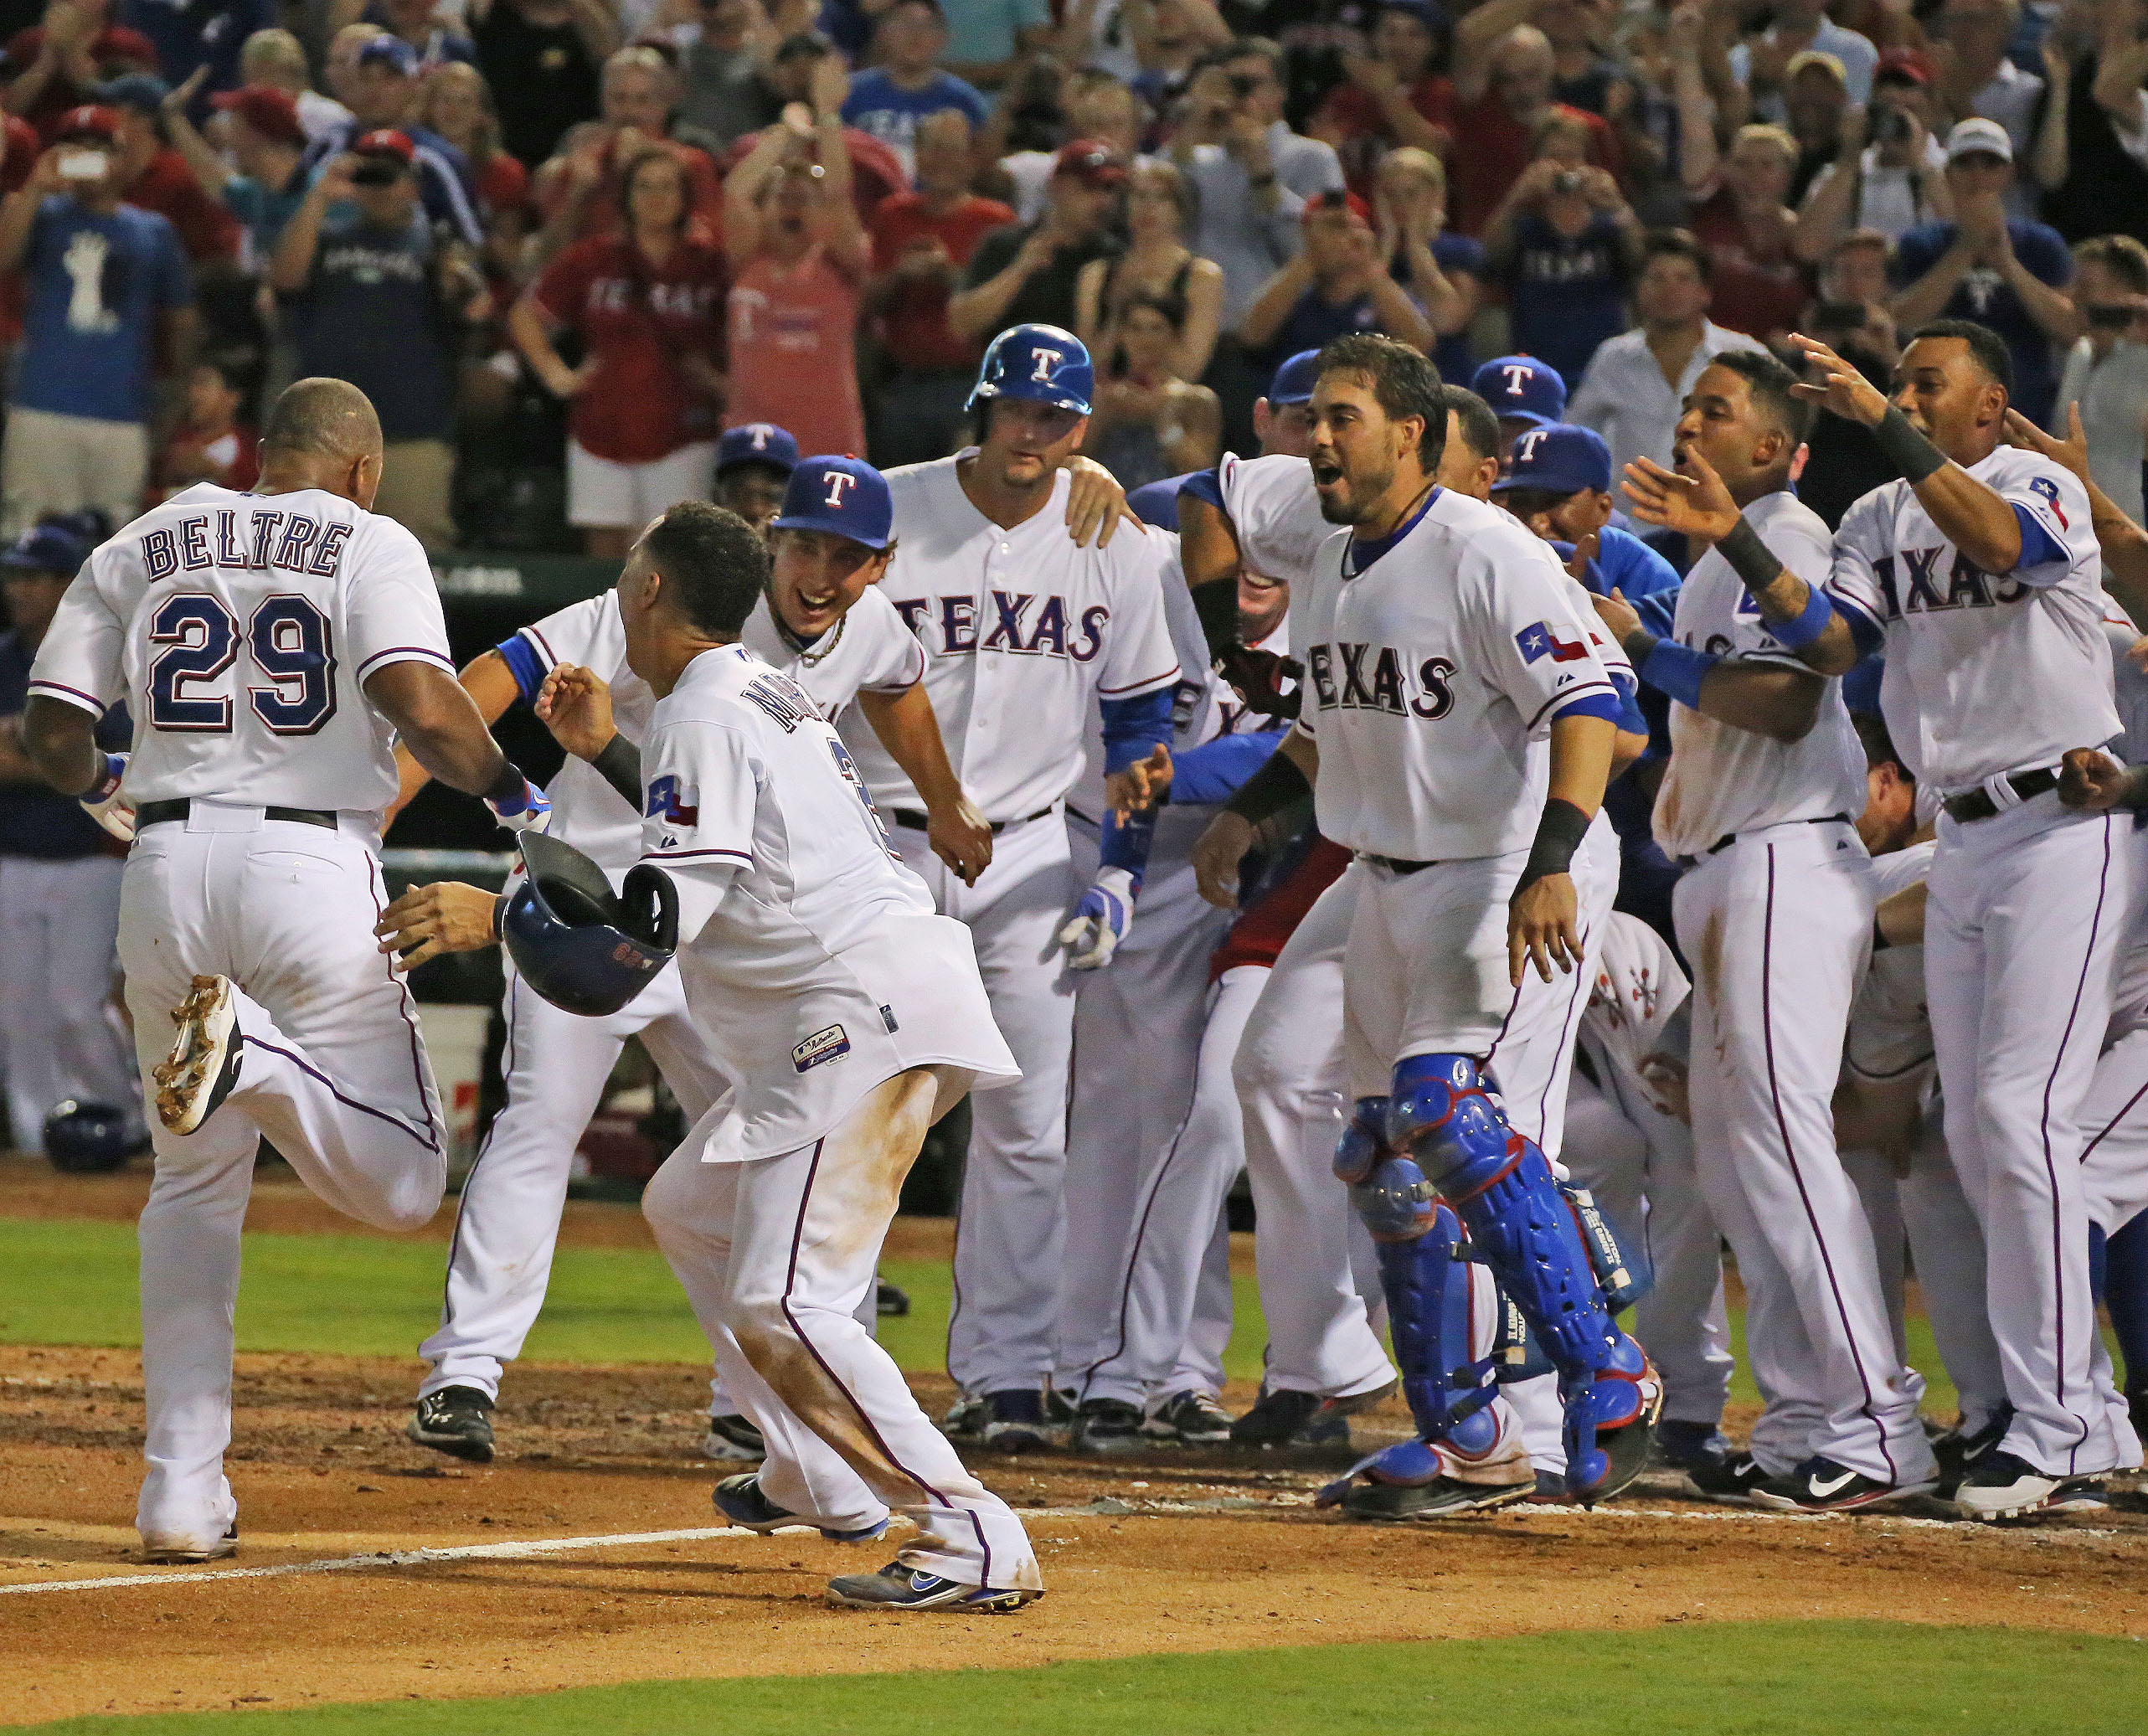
(537, 1546)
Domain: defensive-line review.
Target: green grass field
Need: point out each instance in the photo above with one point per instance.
(67, 1281)
(1714, 1679)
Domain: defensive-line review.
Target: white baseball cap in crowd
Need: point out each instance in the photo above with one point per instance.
(1980, 138)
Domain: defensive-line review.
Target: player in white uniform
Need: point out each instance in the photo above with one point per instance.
(1978, 572)
(846, 1015)
(276, 643)
(1021, 628)
(826, 624)
(1467, 897)
(1775, 911)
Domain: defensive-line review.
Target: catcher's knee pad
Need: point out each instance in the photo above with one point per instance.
(1364, 1141)
(1624, 1279)
(1441, 1115)
(1395, 1201)
(1427, 1285)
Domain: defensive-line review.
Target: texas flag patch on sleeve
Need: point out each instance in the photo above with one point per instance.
(1540, 640)
(2045, 487)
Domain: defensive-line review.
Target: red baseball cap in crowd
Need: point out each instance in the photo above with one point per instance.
(92, 120)
(385, 141)
(1092, 162)
(1910, 66)
(270, 113)
(1334, 199)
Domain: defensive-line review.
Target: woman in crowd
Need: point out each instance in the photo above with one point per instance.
(1443, 271)
(646, 398)
(457, 103)
(1150, 421)
(1157, 263)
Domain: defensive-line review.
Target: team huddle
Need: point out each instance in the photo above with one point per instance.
(1256, 826)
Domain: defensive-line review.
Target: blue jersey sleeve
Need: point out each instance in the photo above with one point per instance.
(524, 664)
(1133, 726)
(1216, 770)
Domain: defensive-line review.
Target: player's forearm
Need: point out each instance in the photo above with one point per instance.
(1208, 555)
(440, 724)
(1801, 618)
(907, 728)
(493, 688)
(1581, 760)
(61, 740)
(1972, 518)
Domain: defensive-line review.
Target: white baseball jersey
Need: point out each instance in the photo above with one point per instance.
(240, 629)
(2129, 683)
(823, 970)
(1435, 674)
(868, 649)
(1890, 1031)
(1274, 508)
(1723, 780)
(1638, 991)
(1021, 628)
(1986, 674)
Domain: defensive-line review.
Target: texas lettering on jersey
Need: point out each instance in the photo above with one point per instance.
(1909, 584)
(1012, 628)
(1384, 689)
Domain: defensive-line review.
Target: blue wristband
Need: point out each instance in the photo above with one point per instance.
(1677, 670)
(1796, 634)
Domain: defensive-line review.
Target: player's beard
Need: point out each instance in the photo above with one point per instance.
(1353, 502)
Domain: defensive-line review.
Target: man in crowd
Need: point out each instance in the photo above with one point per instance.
(1026, 274)
(890, 99)
(382, 90)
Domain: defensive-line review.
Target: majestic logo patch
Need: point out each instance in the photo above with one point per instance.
(2049, 490)
(829, 1045)
(1540, 640)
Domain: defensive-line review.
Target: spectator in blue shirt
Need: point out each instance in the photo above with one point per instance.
(1558, 483)
(889, 100)
(2001, 271)
(1565, 244)
(1443, 271)
(190, 34)
(263, 182)
(988, 39)
(103, 278)
(383, 93)
(375, 299)
(1337, 282)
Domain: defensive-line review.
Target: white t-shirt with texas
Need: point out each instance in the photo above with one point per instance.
(1432, 679)
(1723, 780)
(868, 650)
(1021, 628)
(240, 630)
(823, 970)
(1985, 674)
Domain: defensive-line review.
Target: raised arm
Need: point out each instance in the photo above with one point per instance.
(1208, 555)
(742, 191)
(1768, 698)
(958, 833)
(493, 688)
(2124, 543)
(291, 265)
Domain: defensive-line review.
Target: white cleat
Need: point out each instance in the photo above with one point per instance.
(202, 1066)
(2001, 1486)
(166, 1549)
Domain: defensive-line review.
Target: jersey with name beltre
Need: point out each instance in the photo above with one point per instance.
(1023, 628)
(823, 970)
(1434, 676)
(1723, 779)
(868, 650)
(241, 628)
(1985, 673)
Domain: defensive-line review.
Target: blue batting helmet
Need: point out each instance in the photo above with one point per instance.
(85, 1138)
(579, 945)
(1043, 363)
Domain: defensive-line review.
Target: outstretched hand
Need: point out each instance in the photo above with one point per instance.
(1095, 503)
(1699, 505)
(576, 707)
(1841, 387)
(446, 916)
(2072, 451)
(1140, 785)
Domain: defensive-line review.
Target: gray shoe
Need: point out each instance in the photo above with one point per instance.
(897, 1587)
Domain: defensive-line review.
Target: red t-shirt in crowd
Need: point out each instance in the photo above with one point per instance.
(207, 230)
(913, 326)
(636, 320)
(1354, 122)
(231, 461)
(793, 342)
(1755, 294)
(1494, 150)
(114, 49)
(503, 183)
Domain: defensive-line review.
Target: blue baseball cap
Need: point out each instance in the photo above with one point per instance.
(844, 496)
(1520, 389)
(391, 51)
(1295, 378)
(1560, 459)
(45, 549)
(757, 443)
(144, 92)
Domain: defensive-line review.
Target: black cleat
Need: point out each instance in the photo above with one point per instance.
(1189, 1419)
(1683, 1445)
(897, 1587)
(1957, 1451)
(1731, 1481)
(1821, 1486)
(734, 1438)
(2001, 1486)
(1108, 1426)
(456, 1420)
(1285, 1417)
(890, 1301)
(1015, 1423)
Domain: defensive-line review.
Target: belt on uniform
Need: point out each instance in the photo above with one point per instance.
(913, 821)
(1394, 864)
(155, 813)
(1976, 805)
(1728, 838)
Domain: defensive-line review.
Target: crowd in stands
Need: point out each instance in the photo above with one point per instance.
(564, 244)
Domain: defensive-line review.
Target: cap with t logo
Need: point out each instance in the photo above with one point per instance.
(844, 496)
(1520, 389)
(757, 443)
(1560, 459)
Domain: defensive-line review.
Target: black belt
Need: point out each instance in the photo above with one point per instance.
(1976, 805)
(156, 813)
(913, 821)
(1728, 838)
(1394, 864)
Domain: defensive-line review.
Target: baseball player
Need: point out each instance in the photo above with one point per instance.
(1775, 911)
(1978, 571)
(754, 462)
(1462, 924)
(846, 1015)
(277, 641)
(826, 624)
(59, 887)
(1021, 628)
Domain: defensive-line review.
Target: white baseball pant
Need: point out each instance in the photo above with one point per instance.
(2114, 1114)
(1638, 1162)
(2021, 941)
(1010, 1232)
(779, 1253)
(60, 1036)
(333, 1072)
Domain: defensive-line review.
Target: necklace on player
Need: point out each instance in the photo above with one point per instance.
(823, 647)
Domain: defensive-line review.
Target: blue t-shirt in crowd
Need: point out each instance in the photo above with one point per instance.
(1565, 294)
(1986, 297)
(1452, 354)
(1312, 321)
(96, 285)
(264, 210)
(36, 820)
(371, 314)
(198, 32)
(878, 106)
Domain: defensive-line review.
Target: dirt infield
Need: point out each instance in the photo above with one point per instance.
(1167, 1552)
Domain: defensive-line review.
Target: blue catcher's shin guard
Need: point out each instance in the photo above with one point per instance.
(1522, 1226)
(1427, 1285)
